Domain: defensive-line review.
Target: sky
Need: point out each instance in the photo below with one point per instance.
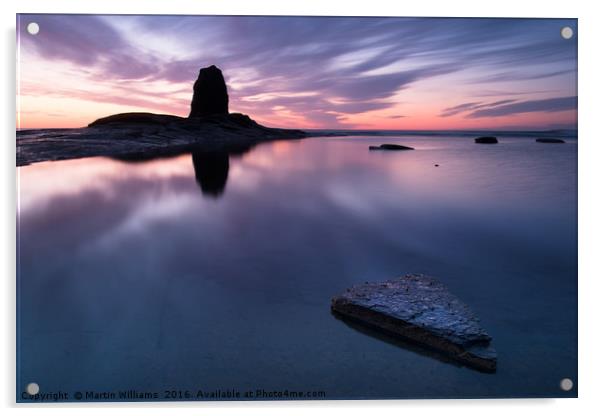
(303, 72)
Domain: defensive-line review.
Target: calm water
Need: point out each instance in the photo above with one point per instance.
(205, 273)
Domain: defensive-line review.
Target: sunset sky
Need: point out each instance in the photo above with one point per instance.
(307, 72)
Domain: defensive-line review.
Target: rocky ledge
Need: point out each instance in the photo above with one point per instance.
(420, 309)
(209, 127)
(147, 135)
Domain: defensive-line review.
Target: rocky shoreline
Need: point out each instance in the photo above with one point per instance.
(146, 135)
(209, 128)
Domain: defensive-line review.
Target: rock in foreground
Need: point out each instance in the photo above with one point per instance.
(486, 140)
(418, 308)
(391, 147)
(543, 140)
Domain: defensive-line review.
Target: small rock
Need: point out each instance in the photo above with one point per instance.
(542, 140)
(486, 140)
(391, 147)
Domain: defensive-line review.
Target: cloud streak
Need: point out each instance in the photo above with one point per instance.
(461, 108)
(323, 70)
(550, 105)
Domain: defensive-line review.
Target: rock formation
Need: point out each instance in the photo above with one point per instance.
(418, 308)
(140, 136)
(210, 95)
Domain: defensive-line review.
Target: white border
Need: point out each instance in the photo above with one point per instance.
(590, 207)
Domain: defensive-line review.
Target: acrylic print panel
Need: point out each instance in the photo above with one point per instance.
(284, 208)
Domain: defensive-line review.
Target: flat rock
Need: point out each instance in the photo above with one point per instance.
(390, 147)
(420, 309)
(486, 140)
(544, 140)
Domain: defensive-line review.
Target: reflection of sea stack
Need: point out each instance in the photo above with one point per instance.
(210, 93)
(211, 171)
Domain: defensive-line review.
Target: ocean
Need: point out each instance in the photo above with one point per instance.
(204, 273)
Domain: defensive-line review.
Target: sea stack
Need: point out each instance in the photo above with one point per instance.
(209, 129)
(210, 94)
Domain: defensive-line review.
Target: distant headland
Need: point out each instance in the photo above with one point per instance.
(210, 127)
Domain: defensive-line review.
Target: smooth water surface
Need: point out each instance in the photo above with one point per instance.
(216, 272)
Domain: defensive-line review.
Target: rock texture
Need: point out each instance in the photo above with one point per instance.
(390, 147)
(486, 140)
(542, 140)
(420, 309)
(210, 94)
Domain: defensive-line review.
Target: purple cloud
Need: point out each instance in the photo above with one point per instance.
(353, 65)
(461, 108)
(88, 42)
(546, 105)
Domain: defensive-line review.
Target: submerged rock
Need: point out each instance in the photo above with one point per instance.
(210, 95)
(543, 140)
(391, 147)
(486, 140)
(420, 309)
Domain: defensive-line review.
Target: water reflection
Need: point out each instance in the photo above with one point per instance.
(132, 262)
(210, 167)
(408, 345)
(211, 171)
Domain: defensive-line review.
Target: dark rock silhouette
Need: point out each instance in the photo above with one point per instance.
(486, 140)
(136, 118)
(142, 136)
(210, 94)
(211, 171)
(390, 147)
(543, 140)
(420, 309)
